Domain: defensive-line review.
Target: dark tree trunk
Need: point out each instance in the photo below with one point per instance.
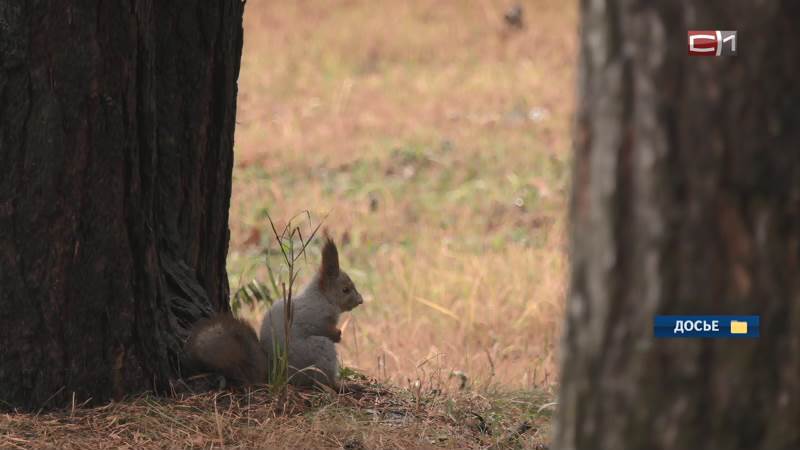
(116, 152)
(686, 201)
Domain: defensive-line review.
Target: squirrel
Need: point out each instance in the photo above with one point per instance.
(315, 315)
(229, 346)
(226, 345)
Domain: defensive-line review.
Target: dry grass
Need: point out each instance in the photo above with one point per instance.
(377, 418)
(437, 138)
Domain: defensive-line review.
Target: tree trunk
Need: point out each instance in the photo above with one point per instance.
(116, 151)
(686, 200)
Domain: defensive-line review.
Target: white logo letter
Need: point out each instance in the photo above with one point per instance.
(700, 36)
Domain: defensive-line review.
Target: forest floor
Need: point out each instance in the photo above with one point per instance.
(378, 418)
(432, 140)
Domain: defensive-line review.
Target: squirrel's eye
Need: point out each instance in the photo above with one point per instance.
(346, 290)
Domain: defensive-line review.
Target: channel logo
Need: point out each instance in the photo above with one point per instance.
(707, 327)
(712, 42)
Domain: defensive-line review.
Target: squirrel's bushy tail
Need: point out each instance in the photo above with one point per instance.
(228, 346)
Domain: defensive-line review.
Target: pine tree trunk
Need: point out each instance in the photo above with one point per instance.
(116, 152)
(686, 201)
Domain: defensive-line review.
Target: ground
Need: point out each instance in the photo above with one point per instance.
(432, 140)
(377, 419)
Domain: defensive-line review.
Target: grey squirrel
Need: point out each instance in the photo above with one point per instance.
(315, 314)
(225, 345)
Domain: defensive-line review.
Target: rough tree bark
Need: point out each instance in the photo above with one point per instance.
(686, 201)
(116, 152)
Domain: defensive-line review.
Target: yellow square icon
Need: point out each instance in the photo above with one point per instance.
(738, 327)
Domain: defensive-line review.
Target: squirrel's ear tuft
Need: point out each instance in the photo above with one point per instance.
(330, 260)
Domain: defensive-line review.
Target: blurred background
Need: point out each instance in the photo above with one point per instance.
(435, 135)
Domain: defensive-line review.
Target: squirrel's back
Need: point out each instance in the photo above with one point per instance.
(229, 346)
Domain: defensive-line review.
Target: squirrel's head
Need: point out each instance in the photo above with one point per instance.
(334, 283)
